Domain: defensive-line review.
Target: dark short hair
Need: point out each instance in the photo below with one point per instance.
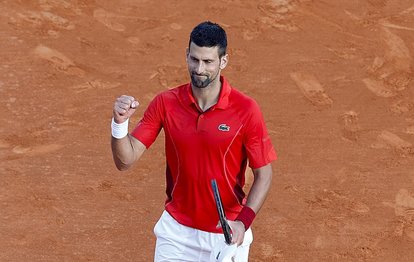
(209, 34)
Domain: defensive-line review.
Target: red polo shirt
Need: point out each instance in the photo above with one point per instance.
(200, 146)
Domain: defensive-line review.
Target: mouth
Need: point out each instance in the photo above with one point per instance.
(198, 75)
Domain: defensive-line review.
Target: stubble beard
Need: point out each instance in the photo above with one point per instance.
(196, 82)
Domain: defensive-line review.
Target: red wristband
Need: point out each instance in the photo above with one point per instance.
(246, 216)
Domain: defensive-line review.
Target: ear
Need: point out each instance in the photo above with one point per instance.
(223, 61)
(187, 51)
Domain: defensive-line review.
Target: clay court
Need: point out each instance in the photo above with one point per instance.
(334, 80)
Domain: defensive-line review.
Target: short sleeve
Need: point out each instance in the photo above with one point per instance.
(151, 123)
(257, 142)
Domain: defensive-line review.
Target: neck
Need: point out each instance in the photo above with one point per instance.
(208, 96)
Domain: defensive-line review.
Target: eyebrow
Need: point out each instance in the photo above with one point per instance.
(207, 59)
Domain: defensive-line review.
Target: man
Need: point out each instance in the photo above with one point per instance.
(211, 132)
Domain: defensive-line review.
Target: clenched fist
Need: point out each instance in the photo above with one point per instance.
(124, 108)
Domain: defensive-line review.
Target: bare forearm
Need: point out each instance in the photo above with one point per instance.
(255, 200)
(260, 188)
(123, 152)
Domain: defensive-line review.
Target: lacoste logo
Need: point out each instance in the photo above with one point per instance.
(224, 127)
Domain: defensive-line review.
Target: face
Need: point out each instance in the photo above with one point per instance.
(204, 65)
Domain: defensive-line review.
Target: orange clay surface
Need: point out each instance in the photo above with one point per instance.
(334, 80)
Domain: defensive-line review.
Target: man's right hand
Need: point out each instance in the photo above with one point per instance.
(124, 108)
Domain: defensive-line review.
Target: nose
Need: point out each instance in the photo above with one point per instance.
(199, 68)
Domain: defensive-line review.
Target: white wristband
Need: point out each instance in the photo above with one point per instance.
(119, 130)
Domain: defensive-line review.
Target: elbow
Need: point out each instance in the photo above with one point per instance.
(122, 166)
(267, 178)
(270, 176)
(264, 174)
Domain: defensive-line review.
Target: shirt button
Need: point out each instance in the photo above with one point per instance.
(202, 116)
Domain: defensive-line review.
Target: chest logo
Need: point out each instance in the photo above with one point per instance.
(224, 127)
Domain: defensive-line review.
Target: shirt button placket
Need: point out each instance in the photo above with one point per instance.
(200, 121)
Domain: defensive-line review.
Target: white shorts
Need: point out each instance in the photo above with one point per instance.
(176, 242)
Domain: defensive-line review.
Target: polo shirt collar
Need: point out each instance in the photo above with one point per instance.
(223, 100)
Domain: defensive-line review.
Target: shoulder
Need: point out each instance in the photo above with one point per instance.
(170, 95)
(243, 102)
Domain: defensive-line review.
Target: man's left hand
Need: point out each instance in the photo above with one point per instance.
(238, 230)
